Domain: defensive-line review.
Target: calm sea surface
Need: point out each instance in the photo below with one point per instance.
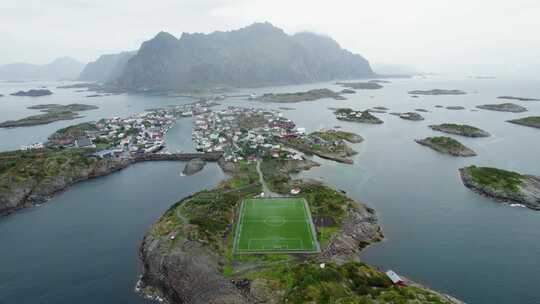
(81, 247)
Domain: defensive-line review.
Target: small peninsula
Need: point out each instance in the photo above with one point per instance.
(531, 121)
(503, 107)
(348, 114)
(437, 92)
(502, 185)
(463, 130)
(446, 145)
(310, 95)
(33, 93)
(518, 98)
(361, 85)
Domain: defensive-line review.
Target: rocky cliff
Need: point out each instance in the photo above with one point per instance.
(260, 54)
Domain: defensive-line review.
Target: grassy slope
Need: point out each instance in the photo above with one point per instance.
(496, 178)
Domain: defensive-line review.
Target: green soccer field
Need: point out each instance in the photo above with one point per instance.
(275, 225)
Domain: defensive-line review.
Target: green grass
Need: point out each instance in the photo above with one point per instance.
(275, 225)
(496, 178)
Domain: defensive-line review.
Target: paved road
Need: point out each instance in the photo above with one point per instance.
(266, 190)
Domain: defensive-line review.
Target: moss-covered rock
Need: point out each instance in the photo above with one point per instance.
(446, 145)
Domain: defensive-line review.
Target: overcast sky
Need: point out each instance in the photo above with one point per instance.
(447, 36)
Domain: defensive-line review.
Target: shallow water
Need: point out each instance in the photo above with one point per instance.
(82, 246)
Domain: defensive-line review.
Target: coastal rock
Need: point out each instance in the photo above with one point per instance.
(194, 166)
(446, 145)
(531, 121)
(463, 130)
(507, 186)
(347, 91)
(23, 191)
(421, 110)
(437, 92)
(503, 107)
(33, 93)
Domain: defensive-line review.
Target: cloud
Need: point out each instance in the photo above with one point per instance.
(430, 35)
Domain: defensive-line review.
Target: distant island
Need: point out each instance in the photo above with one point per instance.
(503, 185)
(348, 114)
(218, 59)
(503, 107)
(531, 121)
(52, 113)
(518, 98)
(310, 95)
(455, 108)
(371, 85)
(446, 145)
(463, 130)
(409, 116)
(437, 92)
(33, 93)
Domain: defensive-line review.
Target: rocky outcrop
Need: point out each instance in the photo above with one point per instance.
(33, 191)
(411, 116)
(501, 185)
(518, 98)
(194, 166)
(33, 93)
(347, 114)
(358, 230)
(446, 145)
(463, 130)
(531, 121)
(503, 107)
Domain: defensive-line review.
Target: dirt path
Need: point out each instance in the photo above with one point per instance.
(266, 190)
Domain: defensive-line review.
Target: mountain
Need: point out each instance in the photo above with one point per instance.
(257, 55)
(60, 69)
(106, 68)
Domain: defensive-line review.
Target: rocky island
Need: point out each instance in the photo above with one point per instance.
(503, 107)
(348, 114)
(437, 92)
(310, 95)
(518, 98)
(410, 116)
(463, 130)
(194, 166)
(502, 185)
(188, 255)
(531, 121)
(52, 113)
(328, 144)
(361, 85)
(446, 145)
(33, 93)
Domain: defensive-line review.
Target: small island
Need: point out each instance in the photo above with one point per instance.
(463, 130)
(361, 85)
(348, 114)
(503, 107)
(531, 121)
(310, 95)
(518, 98)
(410, 116)
(348, 91)
(194, 166)
(455, 108)
(502, 185)
(446, 145)
(421, 110)
(33, 93)
(437, 92)
(328, 144)
(52, 113)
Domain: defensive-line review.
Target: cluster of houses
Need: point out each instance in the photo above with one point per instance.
(243, 133)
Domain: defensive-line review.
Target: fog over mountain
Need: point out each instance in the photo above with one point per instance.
(106, 68)
(260, 54)
(60, 69)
